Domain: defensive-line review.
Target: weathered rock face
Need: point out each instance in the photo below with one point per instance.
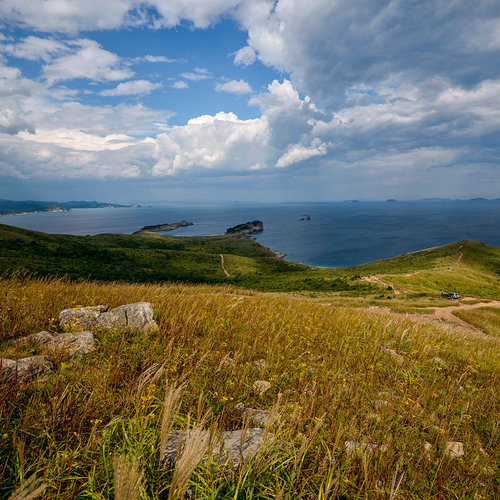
(235, 446)
(259, 417)
(25, 367)
(81, 317)
(138, 316)
(75, 344)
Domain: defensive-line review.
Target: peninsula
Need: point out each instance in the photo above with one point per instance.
(167, 227)
(11, 207)
(247, 228)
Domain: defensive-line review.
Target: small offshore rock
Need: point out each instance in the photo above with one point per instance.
(235, 446)
(454, 449)
(397, 358)
(261, 386)
(25, 367)
(75, 344)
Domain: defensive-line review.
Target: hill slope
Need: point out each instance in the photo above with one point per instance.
(367, 402)
(470, 267)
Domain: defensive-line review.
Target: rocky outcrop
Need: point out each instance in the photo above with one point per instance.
(247, 228)
(75, 344)
(167, 226)
(25, 367)
(81, 317)
(138, 316)
(235, 446)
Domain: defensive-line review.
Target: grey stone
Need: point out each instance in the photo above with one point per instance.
(81, 317)
(381, 403)
(454, 449)
(233, 446)
(354, 448)
(75, 344)
(25, 367)
(261, 386)
(261, 364)
(138, 316)
(259, 417)
(388, 395)
(427, 450)
(397, 358)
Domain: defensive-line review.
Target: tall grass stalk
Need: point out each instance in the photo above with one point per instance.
(128, 478)
(31, 488)
(171, 407)
(196, 445)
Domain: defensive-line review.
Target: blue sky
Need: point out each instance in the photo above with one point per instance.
(250, 100)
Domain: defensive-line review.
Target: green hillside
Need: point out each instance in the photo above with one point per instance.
(470, 267)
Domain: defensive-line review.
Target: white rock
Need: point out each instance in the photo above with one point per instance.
(261, 386)
(454, 449)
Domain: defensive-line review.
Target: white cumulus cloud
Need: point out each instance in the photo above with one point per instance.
(133, 87)
(234, 87)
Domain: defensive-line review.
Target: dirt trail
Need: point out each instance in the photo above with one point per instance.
(377, 278)
(446, 313)
(222, 264)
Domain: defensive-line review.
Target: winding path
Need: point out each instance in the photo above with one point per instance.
(377, 278)
(222, 264)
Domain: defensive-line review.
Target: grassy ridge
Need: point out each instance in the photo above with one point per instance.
(153, 258)
(328, 375)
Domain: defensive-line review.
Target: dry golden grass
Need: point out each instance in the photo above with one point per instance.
(324, 364)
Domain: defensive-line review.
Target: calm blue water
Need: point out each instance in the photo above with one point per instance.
(338, 234)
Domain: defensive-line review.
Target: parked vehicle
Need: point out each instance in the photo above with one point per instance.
(449, 295)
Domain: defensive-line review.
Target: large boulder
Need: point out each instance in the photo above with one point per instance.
(235, 446)
(25, 367)
(75, 344)
(81, 317)
(138, 316)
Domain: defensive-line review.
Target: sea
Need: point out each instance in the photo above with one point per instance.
(337, 235)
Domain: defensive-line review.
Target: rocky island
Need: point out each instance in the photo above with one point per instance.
(247, 228)
(167, 227)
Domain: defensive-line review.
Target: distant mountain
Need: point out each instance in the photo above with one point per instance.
(11, 207)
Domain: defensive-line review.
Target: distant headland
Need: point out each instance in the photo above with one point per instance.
(166, 226)
(247, 228)
(11, 207)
